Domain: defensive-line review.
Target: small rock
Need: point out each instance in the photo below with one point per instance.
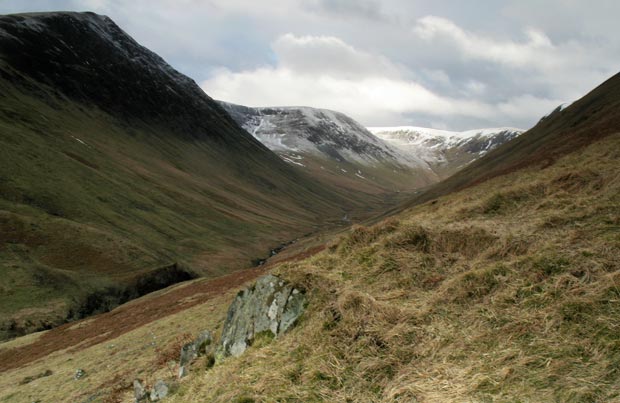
(183, 371)
(159, 391)
(139, 391)
(79, 374)
(193, 350)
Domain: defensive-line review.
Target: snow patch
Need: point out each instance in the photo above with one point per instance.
(80, 141)
(291, 161)
(432, 144)
(319, 132)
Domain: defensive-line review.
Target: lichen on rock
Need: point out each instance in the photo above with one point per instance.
(271, 305)
(189, 352)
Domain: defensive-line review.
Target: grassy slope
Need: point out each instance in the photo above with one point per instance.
(507, 291)
(504, 292)
(87, 202)
(589, 119)
(380, 179)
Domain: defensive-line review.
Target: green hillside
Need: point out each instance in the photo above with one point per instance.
(112, 187)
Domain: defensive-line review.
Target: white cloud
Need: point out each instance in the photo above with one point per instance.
(329, 55)
(326, 72)
(474, 87)
(527, 106)
(388, 62)
(437, 76)
(529, 66)
(535, 49)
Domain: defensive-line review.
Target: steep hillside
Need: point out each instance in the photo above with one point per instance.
(506, 291)
(589, 119)
(445, 151)
(333, 147)
(118, 175)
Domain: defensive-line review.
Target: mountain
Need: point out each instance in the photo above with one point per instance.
(336, 148)
(333, 147)
(445, 151)
(119, 175)
(566, 129)
(504, 286)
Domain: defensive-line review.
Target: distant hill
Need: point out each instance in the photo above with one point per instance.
(565, 130)
(333, 147)
(446, 152)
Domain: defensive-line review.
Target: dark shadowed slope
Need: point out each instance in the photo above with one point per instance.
(113, 165)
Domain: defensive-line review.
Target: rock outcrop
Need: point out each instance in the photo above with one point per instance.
(189, 352)
(160, 390)
(79, 374)
(271, 307)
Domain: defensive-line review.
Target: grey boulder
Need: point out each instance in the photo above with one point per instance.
(159, 391)
(271, 306)
(193, 350)
(139, 392)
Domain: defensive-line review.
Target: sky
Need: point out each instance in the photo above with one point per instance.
(444, 64)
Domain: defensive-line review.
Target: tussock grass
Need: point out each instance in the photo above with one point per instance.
(451, 301)
(506, 292)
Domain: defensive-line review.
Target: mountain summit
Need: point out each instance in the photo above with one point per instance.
(89, 59)
(333, 146)
(322, 141)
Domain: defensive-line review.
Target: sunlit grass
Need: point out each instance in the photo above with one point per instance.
(447, 302)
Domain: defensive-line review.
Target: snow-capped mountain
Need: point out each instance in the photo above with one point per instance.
(313, 138)
(292, 130)
(445, 151)
(331, 141)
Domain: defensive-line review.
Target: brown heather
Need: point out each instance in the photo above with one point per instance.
(508, 291)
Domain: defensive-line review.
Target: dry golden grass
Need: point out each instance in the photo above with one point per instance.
(112, 366)
(506, 292)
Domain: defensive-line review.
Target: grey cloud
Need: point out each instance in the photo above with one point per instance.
(329, 55)
(365, 9)
(469, 59)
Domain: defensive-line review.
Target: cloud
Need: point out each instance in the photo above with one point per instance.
(535, 49)
(328, 55)
(365, 9)
(385, 62)
(533, 64)
(326, 72)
